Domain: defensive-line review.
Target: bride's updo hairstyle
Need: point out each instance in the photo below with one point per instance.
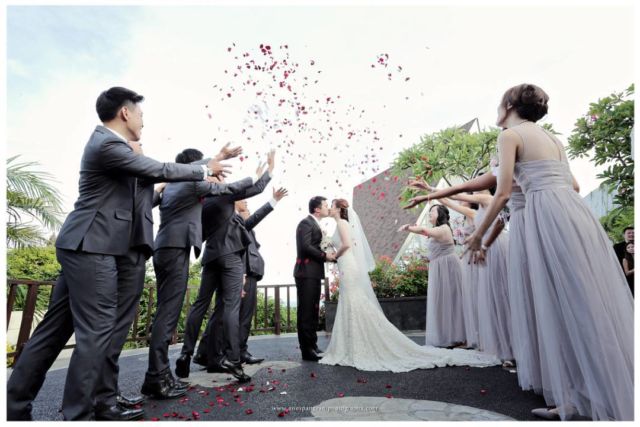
(343, 205)
(529, 101)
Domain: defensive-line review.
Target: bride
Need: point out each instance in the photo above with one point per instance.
(362, 336)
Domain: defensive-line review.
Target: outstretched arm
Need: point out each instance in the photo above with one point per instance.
(507, 147)
(468, 212)
(439, 233)
(481, 199)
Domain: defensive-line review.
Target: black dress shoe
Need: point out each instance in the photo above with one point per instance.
(249, 359)
(182, 365)
(175, 383)
(117, 413)
(215, 368)
(129, 402)
(200, 359)
(161, 390)
(235, 369)
(311, 356)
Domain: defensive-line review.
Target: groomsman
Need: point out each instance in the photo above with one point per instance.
(223, 270)
(180, 229)
(98, 231)
(254, 269)
(55, 329)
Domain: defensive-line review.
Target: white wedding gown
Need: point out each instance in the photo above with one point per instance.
(362, 336)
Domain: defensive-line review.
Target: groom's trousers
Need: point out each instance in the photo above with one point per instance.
(54, 331)
(308, 292)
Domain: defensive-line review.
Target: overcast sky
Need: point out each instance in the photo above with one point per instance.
(445, 66)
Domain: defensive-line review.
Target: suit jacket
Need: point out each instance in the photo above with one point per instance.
(181, 211)
(255, 262)
(101, 219)
(310, 258)
(142, 227)
(221, 227)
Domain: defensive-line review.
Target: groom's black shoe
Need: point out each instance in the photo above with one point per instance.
(175, 383)
(117, 413)
(311, 356)
(235, 369)
(319, 352)
(160, 389)
(129, 402)
(247, 358)
(182, 365)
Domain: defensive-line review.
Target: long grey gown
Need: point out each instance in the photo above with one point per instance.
(583, 305)
(494, 314)
(470, 272)
(445, 321)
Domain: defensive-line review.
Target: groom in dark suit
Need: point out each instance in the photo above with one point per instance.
(308, 273)
(99, 231)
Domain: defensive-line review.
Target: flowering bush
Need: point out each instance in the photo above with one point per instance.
(389, 280)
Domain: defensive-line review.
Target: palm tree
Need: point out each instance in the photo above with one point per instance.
(30, 196)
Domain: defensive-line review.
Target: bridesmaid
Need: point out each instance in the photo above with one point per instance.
(583, 306)
(470, 270)
(445, 322)
(523, 318)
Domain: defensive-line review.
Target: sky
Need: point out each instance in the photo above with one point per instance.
(371, 79)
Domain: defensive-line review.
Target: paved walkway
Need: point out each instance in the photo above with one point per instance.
(284, 387)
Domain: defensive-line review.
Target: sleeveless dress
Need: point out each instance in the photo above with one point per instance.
(524, 337)
(494, 314)
(445, 319)
(583, 306)
(363, 338)
(470, 272)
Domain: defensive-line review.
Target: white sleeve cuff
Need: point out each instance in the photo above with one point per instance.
(273, 202)
(205, 171)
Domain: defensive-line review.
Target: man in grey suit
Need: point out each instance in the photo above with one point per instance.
(254, 270)
(223, 270)
(98, 231)
(180, 229)
(55, 329)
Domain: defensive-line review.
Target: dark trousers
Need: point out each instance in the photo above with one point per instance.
(224, 325)
(308, 292)
(172, 273)
(208, 286)
(54, 331)
(247, 310)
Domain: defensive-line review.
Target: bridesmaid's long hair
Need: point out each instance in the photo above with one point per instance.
(343, 205)
(443, 216)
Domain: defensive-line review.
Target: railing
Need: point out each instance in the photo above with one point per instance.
(276, 326)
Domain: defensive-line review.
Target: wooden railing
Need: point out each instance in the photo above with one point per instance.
(277, 326)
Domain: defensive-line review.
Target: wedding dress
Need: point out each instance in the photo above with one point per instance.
(362, 336)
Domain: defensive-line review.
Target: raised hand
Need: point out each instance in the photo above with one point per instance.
(418, 183)
(219, 169)
(280, 193)
(271, 158)
(160, 187)
(260, 169)
(415, 202)
(228, 153)
(405, 227)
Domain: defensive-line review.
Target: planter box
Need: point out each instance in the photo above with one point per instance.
(406, 313)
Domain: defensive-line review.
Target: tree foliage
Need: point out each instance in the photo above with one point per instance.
(604, 134)
(30, 196)
(447, 154)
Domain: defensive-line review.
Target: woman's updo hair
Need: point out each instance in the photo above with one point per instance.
(443, 215)
(343, 205)
(529, 101)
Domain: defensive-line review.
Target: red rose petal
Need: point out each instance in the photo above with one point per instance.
(340, 394)
(248, 411)
(483, 392)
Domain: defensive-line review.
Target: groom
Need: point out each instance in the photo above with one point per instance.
(308, 273)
